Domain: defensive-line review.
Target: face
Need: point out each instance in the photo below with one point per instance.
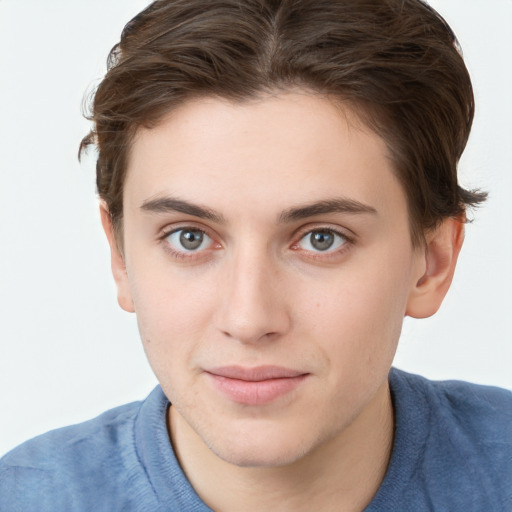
(269, 261)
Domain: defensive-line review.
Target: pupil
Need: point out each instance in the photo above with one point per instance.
(322, 240)
(191, 240)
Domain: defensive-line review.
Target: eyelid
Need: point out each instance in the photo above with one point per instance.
(185, 255)
(164, 232)
(349, 236)
(346, 233)
(323, 255)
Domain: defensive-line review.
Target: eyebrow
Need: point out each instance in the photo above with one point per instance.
(170, 204)
(335, 205)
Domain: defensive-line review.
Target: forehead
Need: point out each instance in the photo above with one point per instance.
(265, 153)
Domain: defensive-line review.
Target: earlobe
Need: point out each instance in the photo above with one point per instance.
(117, 262)
(439, 260)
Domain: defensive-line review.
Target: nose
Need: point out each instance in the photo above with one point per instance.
(252, 304)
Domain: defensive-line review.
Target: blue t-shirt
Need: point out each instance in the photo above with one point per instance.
(452, 452)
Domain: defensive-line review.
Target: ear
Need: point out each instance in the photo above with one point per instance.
(124, 296)
(438, 266)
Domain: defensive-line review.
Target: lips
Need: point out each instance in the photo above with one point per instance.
(255, 386)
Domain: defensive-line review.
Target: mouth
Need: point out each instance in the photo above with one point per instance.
(255, 386)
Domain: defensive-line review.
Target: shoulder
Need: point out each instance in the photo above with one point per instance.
(73, 464)
(457, 440)
(61, 443)
(484, 412)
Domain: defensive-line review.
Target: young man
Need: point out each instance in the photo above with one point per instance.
(278, 187)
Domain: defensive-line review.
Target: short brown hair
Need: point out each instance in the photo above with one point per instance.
(397, 62)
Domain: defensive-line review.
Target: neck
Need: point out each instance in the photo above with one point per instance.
(342, 474)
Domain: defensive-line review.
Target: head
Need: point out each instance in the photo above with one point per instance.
(396, 63)
(279, 188)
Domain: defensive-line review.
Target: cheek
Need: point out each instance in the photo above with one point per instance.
(358, 320)
(173, 316)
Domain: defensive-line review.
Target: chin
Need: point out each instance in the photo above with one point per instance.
(261, 449)
(260, 457)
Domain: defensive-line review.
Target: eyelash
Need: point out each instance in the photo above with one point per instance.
(191, 255)
(185, 255)
(348, 241)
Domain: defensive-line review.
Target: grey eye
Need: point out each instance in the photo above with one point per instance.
(188, 240)
(322, 240)
(191, 240)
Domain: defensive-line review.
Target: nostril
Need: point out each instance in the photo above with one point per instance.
(246, 336)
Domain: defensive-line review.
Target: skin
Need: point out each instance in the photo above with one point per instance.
(258, 292)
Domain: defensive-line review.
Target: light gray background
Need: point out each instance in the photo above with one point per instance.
(67, 352)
